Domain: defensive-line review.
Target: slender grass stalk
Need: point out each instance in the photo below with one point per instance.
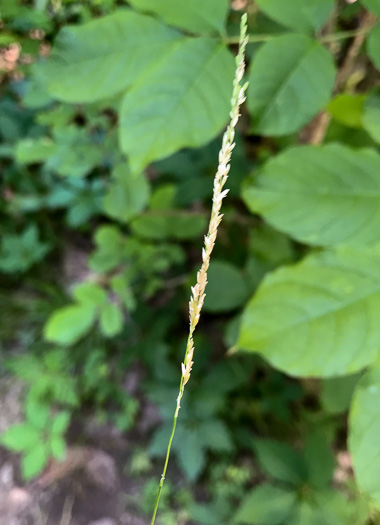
(332, 37)
(198, 291)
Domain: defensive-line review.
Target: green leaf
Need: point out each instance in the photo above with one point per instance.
(216, 435)
(226, 288)
(266, 505)
(372, 5)
(34, 461)
(19, 252)
(68, 324)
(122, 288)
(163, 197)
(75, 154)
(299, 15)
(127, 195)
(318, 317)
(280, 461)
(348, 109)
(109, 251)
(173, 224)
(364, 431)
(37, 412)
(58, 447)
(336, 393)
(30, 151)
(319, 459)
(111, 320)
(182, 102)
(196, 16)
(19, 437)
(190, 452)
(105, 56)
(289, 68)
(330, 194)
(90, 294)
(373, 46)
(60, 423)
(371, 116)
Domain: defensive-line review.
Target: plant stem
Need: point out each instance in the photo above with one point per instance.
(198, 291)
(341, 35)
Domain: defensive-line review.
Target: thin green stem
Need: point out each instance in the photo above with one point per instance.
(341, 35)
(198, 291)
(162, 480)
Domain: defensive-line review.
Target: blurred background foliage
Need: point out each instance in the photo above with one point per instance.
(111, 116)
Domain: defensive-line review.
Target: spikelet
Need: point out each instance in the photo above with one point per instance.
(198, 291)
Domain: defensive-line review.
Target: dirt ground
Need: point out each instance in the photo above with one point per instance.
(91, 487)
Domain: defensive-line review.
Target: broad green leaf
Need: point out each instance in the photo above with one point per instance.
(371, 116)
(266, 505)
(364, 431)
(182, 102)
(226, 288)
(348, 109)
(68, 324)
(318, 317)
(21, 436)
(34, 461)
(372, 5)
(196, 16)
(105, 56)
(111, 320)
(336, 393)
(291, 79)
(373, 46)
(280, 461)
(299, 15)
(320, 195)
(127, 195)
(90, 294)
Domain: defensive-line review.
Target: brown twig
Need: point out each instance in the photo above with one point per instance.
(315, 132)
